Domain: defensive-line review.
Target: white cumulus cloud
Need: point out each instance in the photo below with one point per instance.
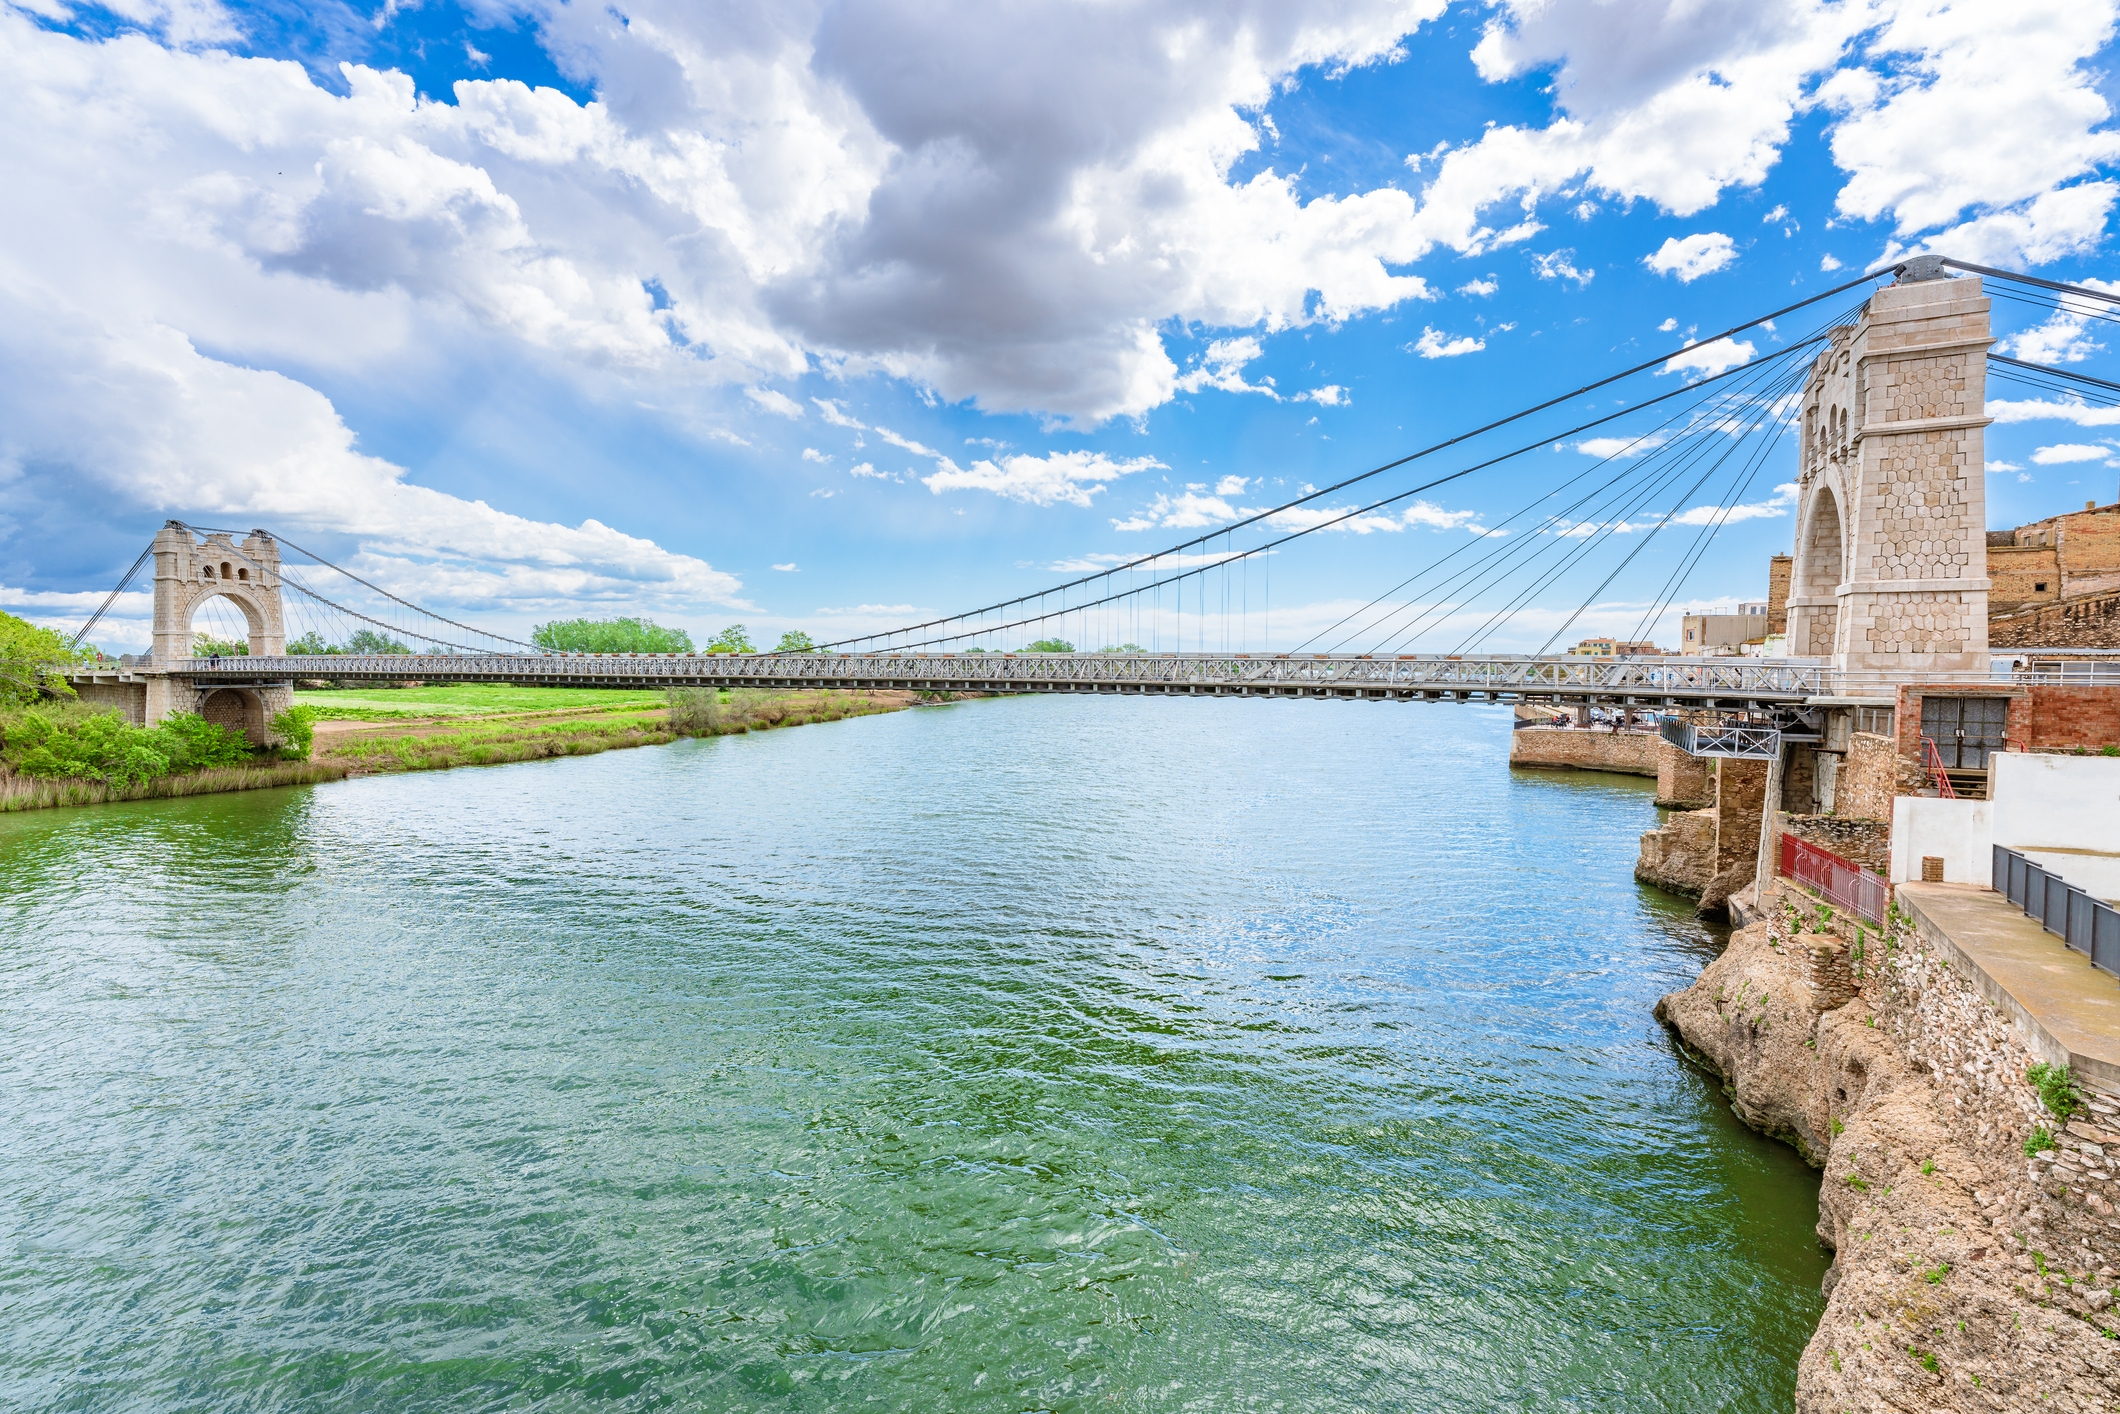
(777, 403)
(1690, 257)
(2062, 453)
(1717, 356)
(1057, 477)
(1433, 343)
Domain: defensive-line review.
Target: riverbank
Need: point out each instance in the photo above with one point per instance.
(1963, 1275)
(388, 735)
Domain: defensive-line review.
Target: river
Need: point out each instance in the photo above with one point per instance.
(1036, 1053)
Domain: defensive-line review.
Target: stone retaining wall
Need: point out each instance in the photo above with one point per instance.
(2090, 622)
(1580, 749)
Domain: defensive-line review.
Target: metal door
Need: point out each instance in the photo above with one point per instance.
(1965, 729)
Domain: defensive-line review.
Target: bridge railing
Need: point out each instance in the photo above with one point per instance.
(1504, 674)
(1731, 680)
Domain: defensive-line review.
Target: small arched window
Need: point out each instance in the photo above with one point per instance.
(224, 570)
(206, 571)
(242, 574)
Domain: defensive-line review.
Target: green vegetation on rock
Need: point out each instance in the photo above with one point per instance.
(2056, 1085)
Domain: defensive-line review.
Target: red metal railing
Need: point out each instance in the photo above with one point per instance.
(1849, 885)
(1934, 762)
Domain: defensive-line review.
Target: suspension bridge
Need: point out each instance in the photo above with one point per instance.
(1884, 399)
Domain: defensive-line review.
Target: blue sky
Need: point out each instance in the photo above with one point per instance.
(534, 309)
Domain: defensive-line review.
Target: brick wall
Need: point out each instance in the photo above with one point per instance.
(2090, 548)
(2023, 574)
(1779, 568)
(2063, 717)
(1629, 753)
(1906, 720)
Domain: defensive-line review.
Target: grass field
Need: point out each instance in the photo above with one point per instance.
(472, 699)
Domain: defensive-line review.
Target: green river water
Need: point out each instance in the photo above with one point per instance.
(1026, 1054)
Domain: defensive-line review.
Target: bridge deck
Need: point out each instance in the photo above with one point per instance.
(1728, 682)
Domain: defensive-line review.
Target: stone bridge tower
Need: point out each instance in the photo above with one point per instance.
(1890, 574)
(187, 574)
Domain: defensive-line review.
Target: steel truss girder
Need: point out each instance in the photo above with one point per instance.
(1646, 681)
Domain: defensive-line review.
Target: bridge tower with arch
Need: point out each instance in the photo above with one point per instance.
(187, 574)
(1890, 575)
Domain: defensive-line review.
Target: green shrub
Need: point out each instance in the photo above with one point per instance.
(296, 728)
(195, 744)
(70, 740)
(2056, 1085)
(205, 645)
(2040, 1141)
(795, 641)
(1050, 645)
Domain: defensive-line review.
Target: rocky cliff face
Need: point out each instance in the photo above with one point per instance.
(1965, 1275)
(1682, 857)
(1679, 855)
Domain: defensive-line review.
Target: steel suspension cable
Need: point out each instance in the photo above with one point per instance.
(1772, 412)
(1658, 469)
(1269, 546)
(1606, 532)
(1733, 395)
(112, 597)
(1308, 497)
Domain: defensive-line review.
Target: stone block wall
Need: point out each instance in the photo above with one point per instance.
(2090, 550)
(1629, 753)
(1682, 781)
(128, 699)
(1871, 775)
(1779, 570)
(1679, 855)
(1859, 841)
(1922, 624)
(1740, 800)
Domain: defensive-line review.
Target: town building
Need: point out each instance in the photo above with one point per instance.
(1614, 648)
(1722, 633)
